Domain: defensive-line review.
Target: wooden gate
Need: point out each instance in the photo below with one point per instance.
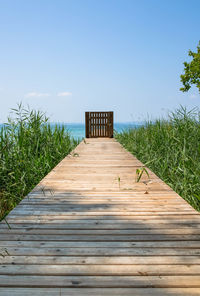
(98, 124)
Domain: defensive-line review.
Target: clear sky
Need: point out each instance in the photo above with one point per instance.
(67, 57)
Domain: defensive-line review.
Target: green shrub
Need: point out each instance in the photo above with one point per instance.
(172, 148)
(29, 149)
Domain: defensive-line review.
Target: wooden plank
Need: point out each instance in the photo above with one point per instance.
(57, 231)
(99, 291)
(100, 281)
(100, 270)
(42, 203)
(108, 220)
(95, 223)
(36, 292)
(97, 251)
(158, 224)
(102, 260)
(116, 208)
(102, 244)
(184, 214)
(101, 238)
(131, 292)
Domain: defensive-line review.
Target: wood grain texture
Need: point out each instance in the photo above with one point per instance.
(88, 228)
(100, 292)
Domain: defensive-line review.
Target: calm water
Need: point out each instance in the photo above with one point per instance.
(77, 130)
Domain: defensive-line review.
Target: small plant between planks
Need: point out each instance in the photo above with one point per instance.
(139, 173)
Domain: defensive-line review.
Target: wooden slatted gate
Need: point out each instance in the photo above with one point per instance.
(99, 124)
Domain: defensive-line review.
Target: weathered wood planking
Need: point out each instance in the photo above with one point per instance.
(89, 229)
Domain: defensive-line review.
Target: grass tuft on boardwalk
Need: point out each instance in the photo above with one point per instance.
(171, 149)
(29, 149)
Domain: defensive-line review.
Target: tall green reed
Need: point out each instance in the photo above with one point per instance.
(172, 149)
(29, 149)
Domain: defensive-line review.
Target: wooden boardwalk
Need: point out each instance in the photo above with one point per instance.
(82, 232)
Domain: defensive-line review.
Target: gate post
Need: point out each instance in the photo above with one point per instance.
(111, 125)
(87, 124)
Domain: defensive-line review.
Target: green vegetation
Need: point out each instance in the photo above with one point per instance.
(140, 172)
(29, 149)
(171, 149)
(191, 71)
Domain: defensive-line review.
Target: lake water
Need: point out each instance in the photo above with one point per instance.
(77, 130)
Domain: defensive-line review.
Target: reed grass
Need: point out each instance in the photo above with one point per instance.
(29, 149)
(171, 149)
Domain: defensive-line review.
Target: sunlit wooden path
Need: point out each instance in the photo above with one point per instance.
(82, 232)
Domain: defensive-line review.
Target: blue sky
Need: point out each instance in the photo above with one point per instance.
(67, 57)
